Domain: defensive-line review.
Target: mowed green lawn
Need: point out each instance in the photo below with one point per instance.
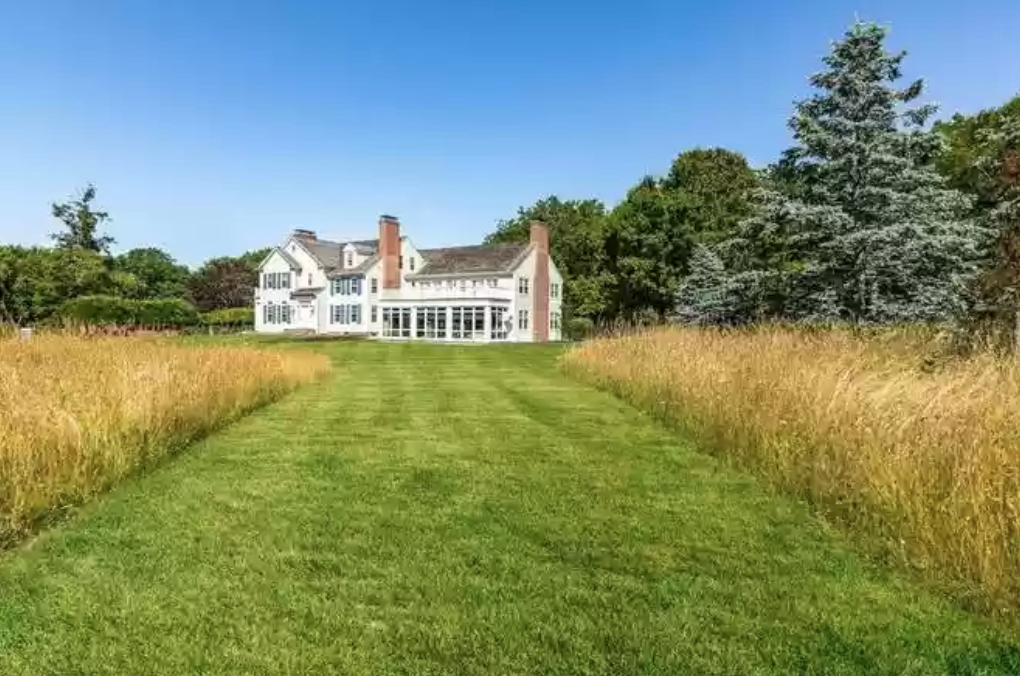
(461, 510)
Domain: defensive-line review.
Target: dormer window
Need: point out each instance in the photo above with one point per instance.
(350, 260)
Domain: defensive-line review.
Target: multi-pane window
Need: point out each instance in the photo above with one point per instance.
(346, 286)
(468, 323)
(345, 314)
(276, 280)
(493, 283)
(554, 290)
(412, 263)
(554, 321)
(463, 285)
(375, 285)
(375, 314)
(349, 262)
(450, 283)
(498, 323)
(432, 322)
(396, 322)
(276, 313)
(522, 320)
(523, 285)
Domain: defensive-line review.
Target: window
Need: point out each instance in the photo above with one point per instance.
(523, 285)
(475, 283)
(420, 323)
(349, 263)
(498, 325)
(345, 314)
(412, 263)
(346, 286)
(522, 320)
(396, 322)
(554, 321)
(463, 285)
(493, 283)
(375, 314)
(276, 313)
(375, 285)
(450, 283)
(554, 290)
(401, 262)
(276, 280)
(309, 279)
(468, 323)
(434, 322)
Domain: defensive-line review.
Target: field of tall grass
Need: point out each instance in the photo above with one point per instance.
(77, 414)
(917, 458)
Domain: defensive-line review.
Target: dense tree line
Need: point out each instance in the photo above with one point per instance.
(872, 216)
(78, 279)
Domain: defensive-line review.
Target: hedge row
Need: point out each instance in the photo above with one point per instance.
(169, 312)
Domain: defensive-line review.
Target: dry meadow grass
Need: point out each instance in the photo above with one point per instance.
(77, 414)
(921, 461)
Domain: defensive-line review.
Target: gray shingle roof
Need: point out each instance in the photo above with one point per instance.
(461, 260)
(330, 254)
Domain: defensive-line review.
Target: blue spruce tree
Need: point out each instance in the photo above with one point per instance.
(872, 233)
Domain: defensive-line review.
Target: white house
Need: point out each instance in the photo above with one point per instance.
(390, 289)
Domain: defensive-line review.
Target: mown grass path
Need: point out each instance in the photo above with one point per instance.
(446, 510)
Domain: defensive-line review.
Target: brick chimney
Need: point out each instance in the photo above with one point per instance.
(540, 284)
(389, 251)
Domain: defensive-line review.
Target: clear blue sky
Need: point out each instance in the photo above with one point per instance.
(215, 126)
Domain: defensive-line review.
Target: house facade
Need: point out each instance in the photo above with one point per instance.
(389, 289)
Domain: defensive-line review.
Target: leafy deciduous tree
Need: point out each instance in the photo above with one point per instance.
(82, 223)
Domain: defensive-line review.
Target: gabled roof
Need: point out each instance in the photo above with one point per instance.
(463, 260)
(329, 255)
(356, 270)
(294, 265)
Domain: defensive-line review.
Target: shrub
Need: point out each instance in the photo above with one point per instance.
(112, 310)
(579, 328)
(238, 316)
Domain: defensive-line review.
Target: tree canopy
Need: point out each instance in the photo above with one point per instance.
(81, 223)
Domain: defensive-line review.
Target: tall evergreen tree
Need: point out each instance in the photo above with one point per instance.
(872, 234)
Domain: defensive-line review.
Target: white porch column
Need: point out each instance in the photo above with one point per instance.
(449, 322)
(414, 322)
(488, 324)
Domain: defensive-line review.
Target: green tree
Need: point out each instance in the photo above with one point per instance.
(716, 186)
(576, 234)
(226, 282)
(975, 148)
(648, 243)
(82, 224)
(34, 281)
(706, 295)
(156, 274)
(874, 234)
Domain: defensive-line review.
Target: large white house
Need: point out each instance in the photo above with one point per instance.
(390, 289)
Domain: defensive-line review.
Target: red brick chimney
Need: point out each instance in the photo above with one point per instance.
(540, 285)
(389, 251)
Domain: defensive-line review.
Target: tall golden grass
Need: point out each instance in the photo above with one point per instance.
(920, 459)
(77, 414)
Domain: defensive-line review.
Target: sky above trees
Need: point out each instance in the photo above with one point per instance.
(215, 127)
